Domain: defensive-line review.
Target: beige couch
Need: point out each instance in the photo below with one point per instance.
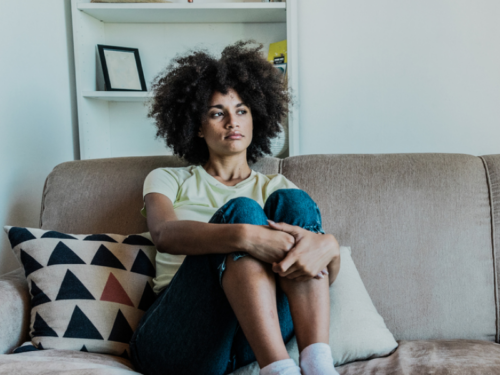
(424, 230)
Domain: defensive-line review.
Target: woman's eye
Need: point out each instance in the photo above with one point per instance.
(242, 110)
(217, 113)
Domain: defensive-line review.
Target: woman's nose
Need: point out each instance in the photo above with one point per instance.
(232, 120)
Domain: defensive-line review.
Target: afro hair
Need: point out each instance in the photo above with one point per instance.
(181, 95)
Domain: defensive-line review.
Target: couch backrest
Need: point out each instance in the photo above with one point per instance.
(419, 225)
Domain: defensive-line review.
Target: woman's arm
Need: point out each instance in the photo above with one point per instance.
(191, 237)
(188, 237)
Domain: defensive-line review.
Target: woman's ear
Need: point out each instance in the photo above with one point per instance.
(200, 134)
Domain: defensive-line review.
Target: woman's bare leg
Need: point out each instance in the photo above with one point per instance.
(310, 309)
(250, 287)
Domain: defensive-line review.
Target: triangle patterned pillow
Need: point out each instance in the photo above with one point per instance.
(88, 292)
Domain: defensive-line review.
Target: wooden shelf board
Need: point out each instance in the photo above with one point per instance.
(186, 12)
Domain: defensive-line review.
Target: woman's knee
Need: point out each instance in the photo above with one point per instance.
(294, 206)
(243, 202)
(241, 210)
(289, 198)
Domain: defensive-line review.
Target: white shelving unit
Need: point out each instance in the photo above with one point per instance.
(112, 123)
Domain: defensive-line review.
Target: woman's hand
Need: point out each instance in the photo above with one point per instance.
(266, 244)
(309, 257)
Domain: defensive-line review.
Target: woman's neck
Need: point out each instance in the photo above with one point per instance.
(228, 172)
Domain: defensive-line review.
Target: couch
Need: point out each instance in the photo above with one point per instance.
(424, 230)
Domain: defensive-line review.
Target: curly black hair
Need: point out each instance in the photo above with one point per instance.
(181, 94)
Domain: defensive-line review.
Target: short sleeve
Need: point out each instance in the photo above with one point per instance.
(276, 182)
(162, 181)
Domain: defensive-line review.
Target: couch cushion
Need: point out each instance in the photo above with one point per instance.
(419, 226)
(59, 362)
(105, 195)
(14, 310)
(437, 357)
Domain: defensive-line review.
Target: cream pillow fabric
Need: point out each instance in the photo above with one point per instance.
(88, 292)
(357, 331)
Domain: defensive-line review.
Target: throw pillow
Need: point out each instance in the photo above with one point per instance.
(88, 292)
(357, 331)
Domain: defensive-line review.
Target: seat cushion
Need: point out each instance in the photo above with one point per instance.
(450, 357)
(437, 357)
(56, 362)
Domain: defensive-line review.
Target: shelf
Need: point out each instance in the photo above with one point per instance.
(117, 96)
(186, 13)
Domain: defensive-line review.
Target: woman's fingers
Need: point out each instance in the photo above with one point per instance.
(285, 264)
(288, 228)
(294, 268)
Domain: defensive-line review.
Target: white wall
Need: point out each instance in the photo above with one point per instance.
(37, 107)
(392, 76)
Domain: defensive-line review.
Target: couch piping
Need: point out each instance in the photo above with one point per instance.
(280, 166)
(494, 246)
(42, 208)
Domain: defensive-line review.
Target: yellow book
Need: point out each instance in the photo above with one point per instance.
(277, 50)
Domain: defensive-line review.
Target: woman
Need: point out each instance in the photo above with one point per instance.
(236, 248)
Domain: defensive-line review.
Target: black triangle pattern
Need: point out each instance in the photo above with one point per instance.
(84, 349)
(80, 327)
(62, 254)
(99, 237)
(40, 346)
(148, 297)
(38, 297)
(40, 328)
(135, 239)
(54, 234)
(104, 257)
(124, 354)
(121, 332)
(143, 265)
(24, 349)
(72, 288)
(19, 235)
(30, 264)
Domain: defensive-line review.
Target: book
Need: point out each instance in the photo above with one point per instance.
(278, 57)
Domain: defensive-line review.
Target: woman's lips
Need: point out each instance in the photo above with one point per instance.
(236, 136)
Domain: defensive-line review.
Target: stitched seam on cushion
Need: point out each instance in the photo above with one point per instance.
(493, 243)
(280, 166)
(44, 195)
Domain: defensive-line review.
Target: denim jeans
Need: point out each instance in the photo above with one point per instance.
(191, 328)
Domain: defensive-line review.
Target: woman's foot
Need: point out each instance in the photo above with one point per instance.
(316, 359)
(283, 367)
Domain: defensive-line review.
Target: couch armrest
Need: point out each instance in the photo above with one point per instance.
(14, 310)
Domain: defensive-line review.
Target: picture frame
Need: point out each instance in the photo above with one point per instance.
(121, 68)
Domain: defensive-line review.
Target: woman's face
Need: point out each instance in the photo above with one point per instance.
(228, 126)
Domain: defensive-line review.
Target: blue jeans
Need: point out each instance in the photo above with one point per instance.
(191, 328)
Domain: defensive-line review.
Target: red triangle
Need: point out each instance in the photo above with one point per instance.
(114, 292)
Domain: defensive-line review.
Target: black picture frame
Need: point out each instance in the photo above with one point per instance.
(114, 80)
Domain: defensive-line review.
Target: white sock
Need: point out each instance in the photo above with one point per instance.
(316, 359)
(283, 367)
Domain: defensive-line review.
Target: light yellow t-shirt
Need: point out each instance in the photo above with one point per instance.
(196, 195)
